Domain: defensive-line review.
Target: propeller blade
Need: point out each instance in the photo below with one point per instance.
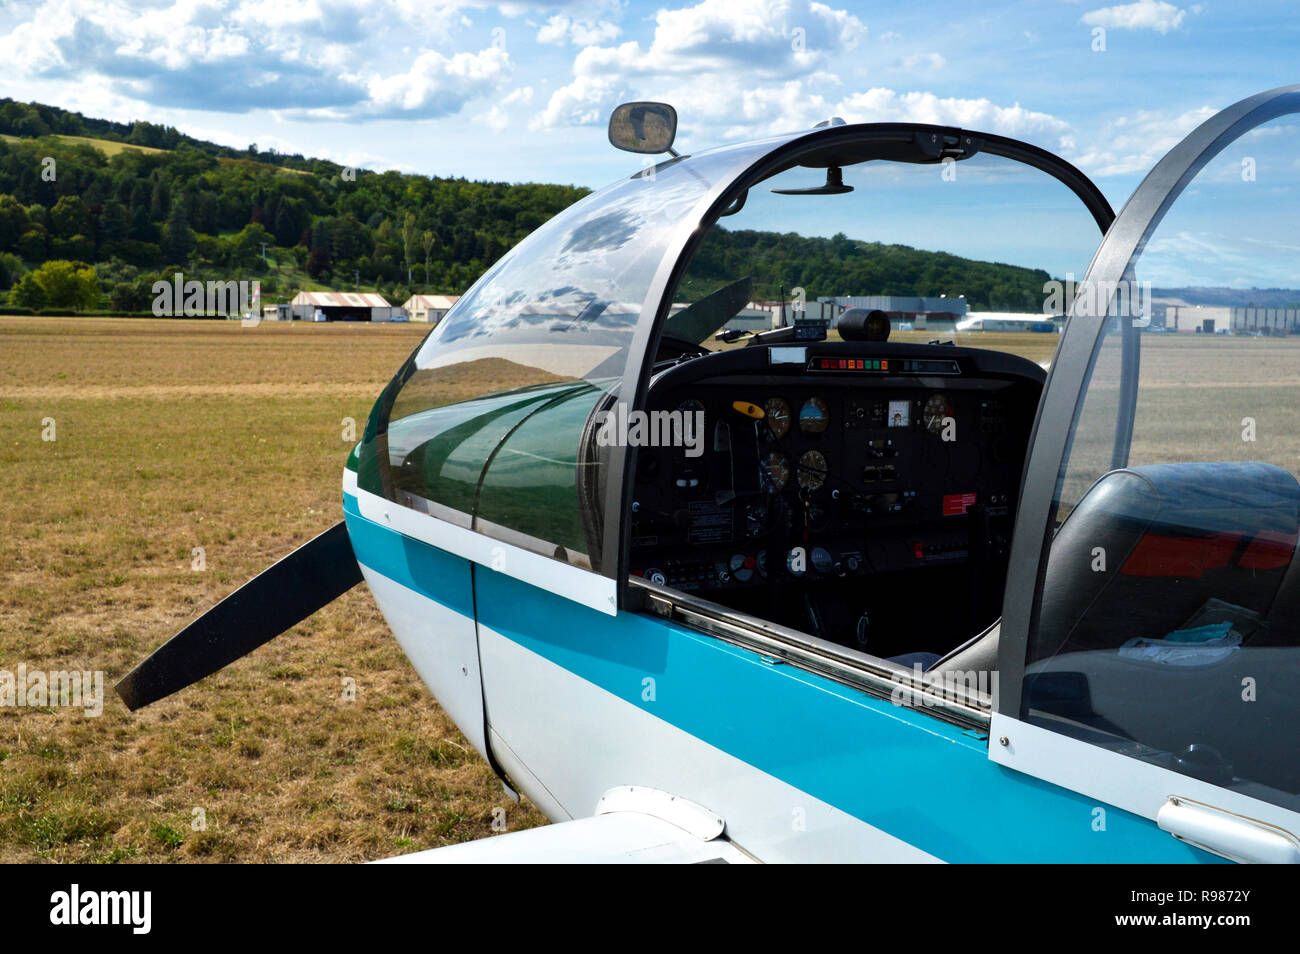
(276, 599)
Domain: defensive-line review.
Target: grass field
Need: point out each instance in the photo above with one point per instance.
(174, 434)
(109, 147)
(180, 434)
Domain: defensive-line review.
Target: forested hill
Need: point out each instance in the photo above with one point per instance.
(843, 266)
(92, 212)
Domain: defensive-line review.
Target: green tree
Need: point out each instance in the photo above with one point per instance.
(246, 246)
(178, 238)
(410, 236)
(63, 284)
(427, 241)
(28, 293)
(71, 217)
(34, 243)
(13, 222)
(128, 296)
(114, 222)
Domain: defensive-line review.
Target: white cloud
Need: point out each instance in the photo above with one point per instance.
(581, 32)
(922, 63)
(709, 56)
(1133, 144)
(1142, 15)
(498, 117)
(316, 57)
(887, 105)
(437, 84)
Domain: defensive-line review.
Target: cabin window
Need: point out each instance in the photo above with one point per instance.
(1169, 626)
(486, 423)
(969, 251)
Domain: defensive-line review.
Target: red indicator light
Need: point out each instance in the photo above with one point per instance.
(954, 505)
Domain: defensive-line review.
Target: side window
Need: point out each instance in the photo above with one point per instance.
(1169, 619)
(487, 422)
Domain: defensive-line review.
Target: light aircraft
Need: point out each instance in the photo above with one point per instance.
(811, 597)
(1007, 322)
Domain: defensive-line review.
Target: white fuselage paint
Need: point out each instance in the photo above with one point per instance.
(565, 761)
(442, 647)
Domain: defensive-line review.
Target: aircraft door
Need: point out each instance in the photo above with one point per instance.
(1150, 652)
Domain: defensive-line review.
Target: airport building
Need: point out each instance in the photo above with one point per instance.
(921, 313)
(1174, 314)
(428, 307)
(342, 306)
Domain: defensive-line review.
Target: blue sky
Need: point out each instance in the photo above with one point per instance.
(521, 90)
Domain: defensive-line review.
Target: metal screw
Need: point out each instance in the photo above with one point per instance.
(1004, 741)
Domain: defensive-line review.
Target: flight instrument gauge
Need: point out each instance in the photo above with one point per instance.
(778, 416)
(812, 470)
(936, 409)
(814, 416)
(776, 469)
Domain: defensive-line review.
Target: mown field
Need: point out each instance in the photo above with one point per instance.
(172, 435)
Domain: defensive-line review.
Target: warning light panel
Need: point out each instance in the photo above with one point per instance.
(885, 365)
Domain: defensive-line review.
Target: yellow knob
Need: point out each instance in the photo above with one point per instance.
(749, 410)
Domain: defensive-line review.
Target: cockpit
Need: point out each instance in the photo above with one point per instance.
(685, 385)
(862, 492)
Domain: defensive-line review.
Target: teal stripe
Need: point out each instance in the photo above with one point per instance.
(927, 783)
(434, 573)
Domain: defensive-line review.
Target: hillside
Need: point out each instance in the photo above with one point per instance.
(1233, 297)
(121, 205)
(843, 266)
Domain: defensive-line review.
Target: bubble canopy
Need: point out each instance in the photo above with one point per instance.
(489, 425)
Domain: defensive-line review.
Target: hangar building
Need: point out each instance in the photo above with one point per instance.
(428, 307)
(341, 306)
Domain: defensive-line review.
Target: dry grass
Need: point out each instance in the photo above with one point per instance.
(109, 147)
(180, 434)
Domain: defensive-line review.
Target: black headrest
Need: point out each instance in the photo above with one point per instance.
(1146, 546)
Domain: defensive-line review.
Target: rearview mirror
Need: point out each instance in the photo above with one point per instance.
(643, 127)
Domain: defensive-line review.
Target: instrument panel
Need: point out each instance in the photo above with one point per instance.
(804, 476)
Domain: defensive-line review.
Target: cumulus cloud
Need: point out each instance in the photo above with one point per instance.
(710, 55)
(886, 105)
(1133, 144)
(580, 32)
(1142, 15)
(306, 57)
(436, 84)
(498, 117)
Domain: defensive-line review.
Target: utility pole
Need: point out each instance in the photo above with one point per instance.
(263, 244)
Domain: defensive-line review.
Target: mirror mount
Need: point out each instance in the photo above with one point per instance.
(834, 185)
(643, 127)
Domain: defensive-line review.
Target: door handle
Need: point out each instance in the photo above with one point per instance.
(1232, 836)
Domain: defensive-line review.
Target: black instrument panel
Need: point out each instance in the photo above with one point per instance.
(828, 468)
